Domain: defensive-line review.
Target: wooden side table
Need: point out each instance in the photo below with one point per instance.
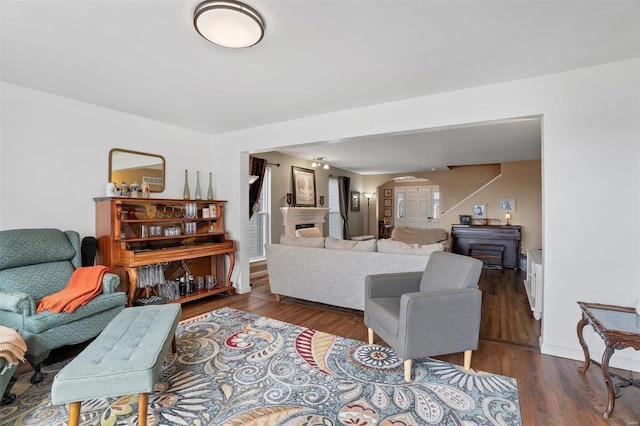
(619, 327)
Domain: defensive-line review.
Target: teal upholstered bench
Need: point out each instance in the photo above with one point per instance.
(124, 359)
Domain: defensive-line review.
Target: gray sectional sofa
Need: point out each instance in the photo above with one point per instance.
(330, 271)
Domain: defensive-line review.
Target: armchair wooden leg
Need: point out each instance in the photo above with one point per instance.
(407, 370)
(278, 297)
(467, 359)
(370, 335)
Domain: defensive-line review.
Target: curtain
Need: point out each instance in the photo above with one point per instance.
(258, 167)
(344, 183)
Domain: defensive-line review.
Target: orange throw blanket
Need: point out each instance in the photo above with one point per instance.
(84, 285)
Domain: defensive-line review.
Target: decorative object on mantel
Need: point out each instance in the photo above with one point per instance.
(210, 190)
(289, 198)
(198, 190)
(465, 219)
(228, 23)
(186, 194)
(321, 200)
(507, 217)
(304, 187)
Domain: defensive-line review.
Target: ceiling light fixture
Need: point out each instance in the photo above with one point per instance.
(320, 161)
(228, 23)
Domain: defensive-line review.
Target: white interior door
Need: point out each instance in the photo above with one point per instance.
(419, 210)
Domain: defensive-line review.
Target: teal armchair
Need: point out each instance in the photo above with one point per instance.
(38, 262)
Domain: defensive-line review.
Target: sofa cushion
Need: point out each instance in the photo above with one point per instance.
(366, 246)
(309, 232)
(336, 244)
(303, 242)
(389, 245)
(47, 319)
(420, 236)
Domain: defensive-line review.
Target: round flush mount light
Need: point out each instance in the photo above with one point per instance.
(228, 23)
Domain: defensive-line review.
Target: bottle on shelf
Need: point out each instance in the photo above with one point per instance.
(186, 194)
(183, 287)
(192, 284)
(210, 190)
(198, 191)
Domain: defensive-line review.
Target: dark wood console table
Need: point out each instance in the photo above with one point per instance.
(508, 237)
(619, 327)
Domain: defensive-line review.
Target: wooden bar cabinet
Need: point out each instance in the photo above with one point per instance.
(184, 234)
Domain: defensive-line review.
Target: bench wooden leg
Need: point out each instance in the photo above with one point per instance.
(278, 297)
(74, 413)
(174, 348)
(143, 401)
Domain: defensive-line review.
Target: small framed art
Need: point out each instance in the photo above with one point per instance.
(388, 192)
(507, 205)
(465, 219)
(355, 201)
(479, 211)
(387, 202)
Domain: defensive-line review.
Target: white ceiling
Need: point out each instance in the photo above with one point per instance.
(143, 57)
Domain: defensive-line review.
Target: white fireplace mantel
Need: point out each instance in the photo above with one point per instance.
(292, 216)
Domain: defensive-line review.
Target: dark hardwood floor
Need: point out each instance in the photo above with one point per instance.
(552, 391)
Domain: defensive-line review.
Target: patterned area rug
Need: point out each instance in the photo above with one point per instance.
(237, 368)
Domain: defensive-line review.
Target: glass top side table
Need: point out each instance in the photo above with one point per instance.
(619, 327)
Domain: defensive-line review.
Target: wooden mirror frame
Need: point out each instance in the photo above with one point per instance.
(156, 183)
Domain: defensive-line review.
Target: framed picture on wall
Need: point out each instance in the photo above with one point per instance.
(507, 205)
(304, 187)
(479, 211)
(387, 212)
(387, 193)
(387, 202)
(355, 201)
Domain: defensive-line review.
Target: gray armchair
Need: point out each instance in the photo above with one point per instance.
(430, 313)
(38, 262)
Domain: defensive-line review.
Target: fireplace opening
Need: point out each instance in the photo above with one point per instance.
(304, 225)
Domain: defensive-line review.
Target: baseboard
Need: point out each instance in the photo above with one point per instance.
(257, 266)
(618, 360)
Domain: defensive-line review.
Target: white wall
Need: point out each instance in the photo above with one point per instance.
(55, 157)
(591, 163)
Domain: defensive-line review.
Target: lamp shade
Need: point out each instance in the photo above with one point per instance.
(228, 23)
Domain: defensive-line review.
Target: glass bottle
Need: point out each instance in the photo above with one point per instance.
(198, 191)
(186, 194)
(210, 190)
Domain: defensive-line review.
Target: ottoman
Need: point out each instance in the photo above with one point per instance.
(125, 358)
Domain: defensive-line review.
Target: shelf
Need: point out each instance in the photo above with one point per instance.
(199, 294)
(170, 220)
(171, 237)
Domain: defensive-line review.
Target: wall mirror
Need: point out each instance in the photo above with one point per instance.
(133, 166)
